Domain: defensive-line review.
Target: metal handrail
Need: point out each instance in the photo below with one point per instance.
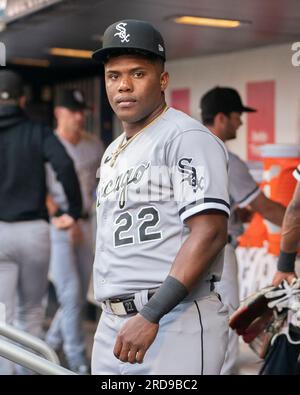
(47, 365)
(31, 361)
(28, 341)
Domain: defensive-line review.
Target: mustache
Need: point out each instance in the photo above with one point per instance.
(120, 99)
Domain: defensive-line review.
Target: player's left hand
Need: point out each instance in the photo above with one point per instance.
(134, 339)
(62, 222)
(280, 276)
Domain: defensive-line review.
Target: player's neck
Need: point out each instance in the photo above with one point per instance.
(217, 133)
(131, 129)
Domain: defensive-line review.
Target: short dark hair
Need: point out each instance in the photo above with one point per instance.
(210, 119)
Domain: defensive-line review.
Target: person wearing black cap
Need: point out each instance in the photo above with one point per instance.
(25, 147)
(221, 110)
(162, 199)
(72, 249)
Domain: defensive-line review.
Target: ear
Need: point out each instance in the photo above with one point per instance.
(164, 80)
(56, 112)
(220, 119)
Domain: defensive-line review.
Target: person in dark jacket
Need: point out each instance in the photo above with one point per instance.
(25, 147)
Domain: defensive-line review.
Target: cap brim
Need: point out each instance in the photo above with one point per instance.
(248, 109)
(73, 107)
(101, 54)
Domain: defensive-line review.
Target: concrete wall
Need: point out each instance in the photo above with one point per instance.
(235, 70)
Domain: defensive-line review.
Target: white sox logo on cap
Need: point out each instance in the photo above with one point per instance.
(122, 32)
(78, 96)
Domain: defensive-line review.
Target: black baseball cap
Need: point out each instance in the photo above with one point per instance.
(11, 85)
(73, 99)
(222, 99)
(131, 34)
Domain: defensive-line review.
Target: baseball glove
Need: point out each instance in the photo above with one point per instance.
(265, 313)
(252, 317)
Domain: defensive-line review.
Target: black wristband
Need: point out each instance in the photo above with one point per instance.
(170, 293)
(286, 261)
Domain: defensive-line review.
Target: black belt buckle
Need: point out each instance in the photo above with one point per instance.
(129, 306)
(127, 302)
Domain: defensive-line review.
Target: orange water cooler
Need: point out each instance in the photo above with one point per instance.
(279, 162)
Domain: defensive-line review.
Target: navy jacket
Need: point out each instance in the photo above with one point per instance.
(25, 146)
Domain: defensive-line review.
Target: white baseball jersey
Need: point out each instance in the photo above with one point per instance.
(174, 169)
(242, 191)
(296, 173)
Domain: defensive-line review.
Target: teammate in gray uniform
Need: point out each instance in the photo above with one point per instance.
(72, 252)
(290, 237)
(162, 222)
(25, 146)
(221, 110)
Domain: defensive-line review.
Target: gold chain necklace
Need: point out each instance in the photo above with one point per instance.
(124, 144)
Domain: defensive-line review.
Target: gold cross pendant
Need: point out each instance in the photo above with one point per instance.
(114, 158)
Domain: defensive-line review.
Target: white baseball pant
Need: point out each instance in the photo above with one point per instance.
(192, 339)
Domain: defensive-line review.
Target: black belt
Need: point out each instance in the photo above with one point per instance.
(60, 212)
(125, 304)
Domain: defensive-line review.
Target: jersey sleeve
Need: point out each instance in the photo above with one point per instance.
(296, 173)
(242, 187)
(62, 164)
(197, 164)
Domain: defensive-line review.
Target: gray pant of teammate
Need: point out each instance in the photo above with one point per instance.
(70, 270)
(229, 290)
(192, 339)
(24, 261)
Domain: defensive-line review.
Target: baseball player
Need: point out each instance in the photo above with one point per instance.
(162, 222)
(25, 147)
(221, 110)
(290, 237)
(72, 252)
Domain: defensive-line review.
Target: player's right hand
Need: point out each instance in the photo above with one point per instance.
(134, 339)
(280, 276)
(64, 221)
